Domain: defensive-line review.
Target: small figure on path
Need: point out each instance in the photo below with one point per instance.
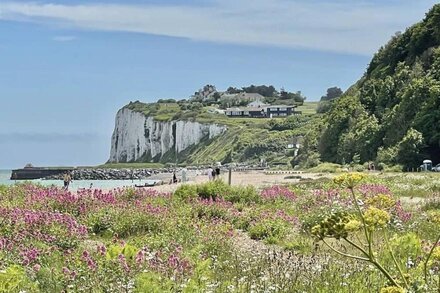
(174, 177)
(210, 173)
(66, 179)
(184, 170)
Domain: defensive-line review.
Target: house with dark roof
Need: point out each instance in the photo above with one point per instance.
(245, 112)
(269, 111)
(273, 111)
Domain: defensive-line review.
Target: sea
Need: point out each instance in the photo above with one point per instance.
(5, 176)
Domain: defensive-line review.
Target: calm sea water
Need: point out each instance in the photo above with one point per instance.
(104, 184)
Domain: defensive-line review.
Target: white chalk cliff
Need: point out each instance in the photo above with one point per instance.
(137, 136)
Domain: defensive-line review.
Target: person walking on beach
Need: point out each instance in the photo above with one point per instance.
(184, 170)
(210, 173)
(66, 179)
(213, 174)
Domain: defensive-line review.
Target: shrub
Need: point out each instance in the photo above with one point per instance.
(100, 221)
(131, 223)
(213, 189)
(123, 222)
(214, 209)
(14, 279)
(186, 191)
(241, 194)
(268, 229)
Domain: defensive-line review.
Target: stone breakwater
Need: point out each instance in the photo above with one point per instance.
(109, 174)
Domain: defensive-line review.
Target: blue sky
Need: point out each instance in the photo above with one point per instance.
(66, 67)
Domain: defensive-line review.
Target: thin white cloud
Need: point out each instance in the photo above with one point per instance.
(64, 38)
(356, 27)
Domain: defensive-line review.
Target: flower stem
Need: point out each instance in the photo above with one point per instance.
(345, 254)
(394, 259)
(425, 265)
(357, 246)
(370, 250)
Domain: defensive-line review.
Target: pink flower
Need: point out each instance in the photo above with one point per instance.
(36, 267)
(276, 191)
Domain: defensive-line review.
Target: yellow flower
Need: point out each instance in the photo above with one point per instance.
(316, 230)
(375, 217)
(382, 201)
(392, 289)
(349, 180)
(435, 256)
(353, 225)
(434, 217)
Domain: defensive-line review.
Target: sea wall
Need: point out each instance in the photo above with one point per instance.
(137, 137)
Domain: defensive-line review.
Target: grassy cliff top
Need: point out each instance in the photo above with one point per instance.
(204, 114)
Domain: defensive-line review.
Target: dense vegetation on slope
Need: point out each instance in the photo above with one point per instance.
(392, 115)
(246, 140)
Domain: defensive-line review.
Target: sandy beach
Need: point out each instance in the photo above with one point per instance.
(256, 178)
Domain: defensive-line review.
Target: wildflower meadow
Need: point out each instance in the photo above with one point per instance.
(351, 233)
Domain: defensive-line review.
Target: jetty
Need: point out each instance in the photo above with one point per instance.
(30, 172)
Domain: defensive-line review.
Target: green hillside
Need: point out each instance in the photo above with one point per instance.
(246, 139)
(391, 115)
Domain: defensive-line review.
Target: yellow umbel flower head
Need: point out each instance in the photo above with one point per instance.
(353, 225)
(381, 201)
(349, 180)
(434, 216)
(375, 217)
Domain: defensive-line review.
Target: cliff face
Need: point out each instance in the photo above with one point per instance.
(140, 138)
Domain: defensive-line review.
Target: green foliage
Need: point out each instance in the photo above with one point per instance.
(406, 246)
(129, 251)
(324, 107)
(270, 230)
(14, 279)
(326, 168)
(409, 148)
(297, 97)
(391, 115)
(152, 282)
(201, 277)
(186, 191)
(264, 90)
(332, 93)
(242, 194)
(122, 223)
(288, 123)
(212, 189)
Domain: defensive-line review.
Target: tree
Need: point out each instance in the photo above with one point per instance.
(264, 90)
(408, 153)
(332, 93)
(233, 90)
(216, 96)
(324, 107)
